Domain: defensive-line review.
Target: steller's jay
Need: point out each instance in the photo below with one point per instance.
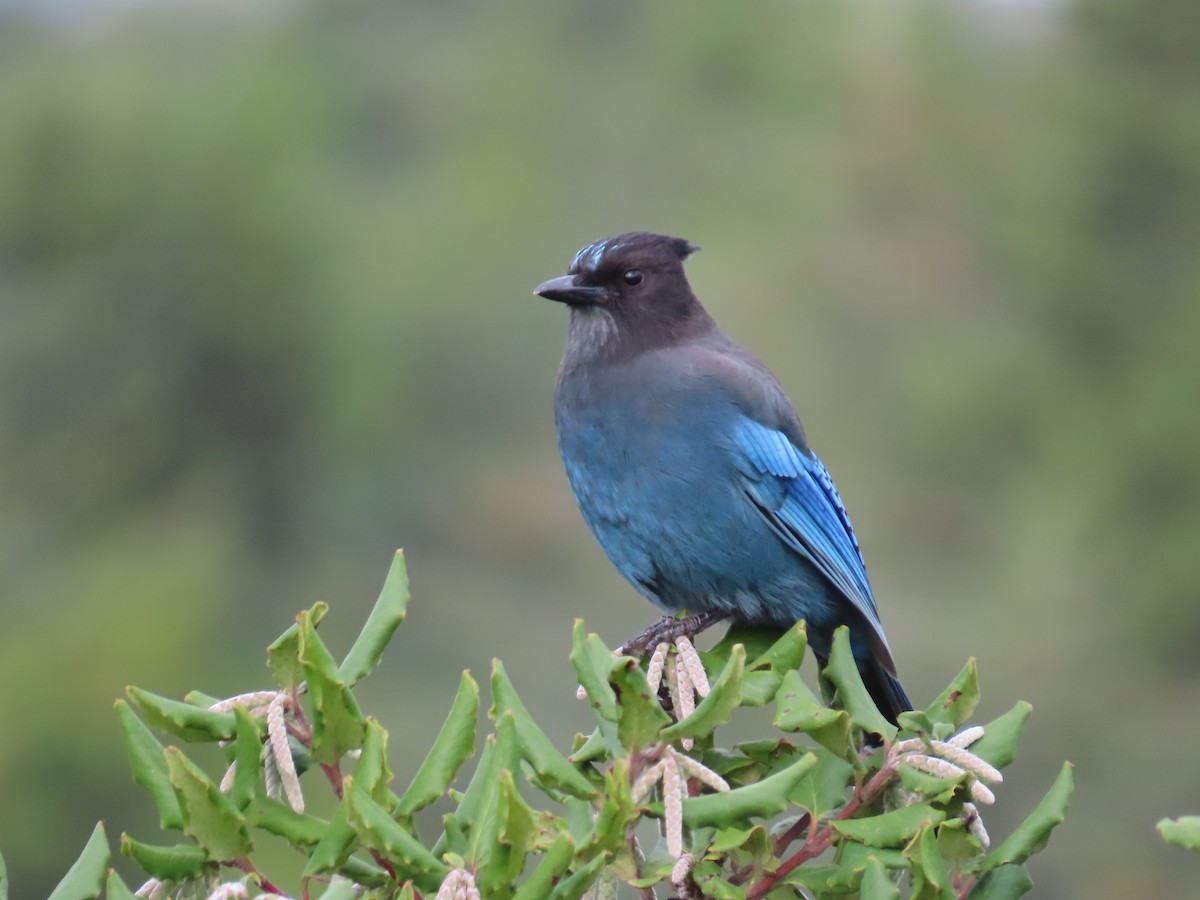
(691, 467)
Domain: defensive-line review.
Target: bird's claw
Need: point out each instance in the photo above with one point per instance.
(667, 629)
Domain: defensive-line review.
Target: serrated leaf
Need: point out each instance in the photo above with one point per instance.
(166, 863)
(765, 674)
(717, 708)
(248, 756)
(592, 662)
(145, 754)
(476, 816)
(710, 879)
(114, 888)
(876, 883)
(182, 719)
(928, 786)
(85, 879)
(381, 624)
(337, 724)
(1182, 832)
(549, 871)
(640, 717)
(1003, 883)
(798, 709)
(575, 885)
(380, 831)
(454, 743)
(335, 845)
(615, 815)
(283, 656)
(931, 875)
(956, 843)
(1001, 736)
(372, 772)
(764, 799)
(1032, 834)
(957, 702)
(823, 789)
(513, 841)
(209, 817)
(842, 671)
(890, 829)
(537, 749)
(298, 829)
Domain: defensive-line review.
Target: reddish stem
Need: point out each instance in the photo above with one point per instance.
(248, 867)
(819, 842)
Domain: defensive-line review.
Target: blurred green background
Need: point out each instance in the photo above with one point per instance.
(265, 315)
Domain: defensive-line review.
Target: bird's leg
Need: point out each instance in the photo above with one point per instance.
(667, 629)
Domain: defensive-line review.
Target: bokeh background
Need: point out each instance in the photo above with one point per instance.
(265, 315)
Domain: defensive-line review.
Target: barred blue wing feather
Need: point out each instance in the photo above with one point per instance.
(804, 509)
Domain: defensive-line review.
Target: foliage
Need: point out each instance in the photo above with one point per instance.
(835, 800)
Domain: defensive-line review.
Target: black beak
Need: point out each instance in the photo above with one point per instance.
(566, 289)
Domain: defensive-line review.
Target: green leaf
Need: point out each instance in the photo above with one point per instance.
(798, 709)
(208, 815)
(298, 829)
(842, 671)
(166, 863)
(385, 618)
(381, 832)
(549, 871)
(338, 725)
(149, 768)
(283, 655)
(1182, 832)
(248, 756)
(1003, 883)
(454, 743)
(717, 708)
(956, 843)
(539, 751)
(616, 813)
(3, 879)
(335, 846)
(957, 702)
(640, 716)
(1032, 834)
(191, 723)
(593, 661)
(890, 829)
(1001, 736)
(931, 875)
(876, 883)
(512, 843)
(929, 786)
(575, 885)
(823, 789)
(372, 771)
(476, 813)
(765, 674)
(765, 798)
(85, 879)
(114, 888)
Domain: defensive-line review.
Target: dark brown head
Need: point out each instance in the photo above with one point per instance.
(627, 292)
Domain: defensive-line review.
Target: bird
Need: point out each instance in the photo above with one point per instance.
(691, 467)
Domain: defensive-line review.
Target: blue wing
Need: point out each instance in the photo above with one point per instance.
(797, 497)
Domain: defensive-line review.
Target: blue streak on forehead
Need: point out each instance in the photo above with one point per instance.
(590, 257)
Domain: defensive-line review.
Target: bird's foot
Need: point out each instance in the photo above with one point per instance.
(666, 630)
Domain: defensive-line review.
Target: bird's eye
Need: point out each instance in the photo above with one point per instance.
(632, 276)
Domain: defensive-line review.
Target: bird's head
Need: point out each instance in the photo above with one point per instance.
(631, 285)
